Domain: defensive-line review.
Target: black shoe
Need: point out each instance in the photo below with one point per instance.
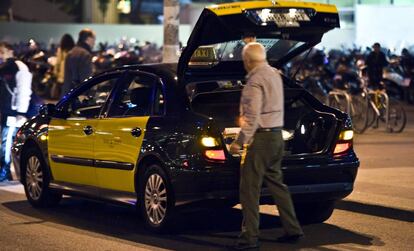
(290, 238)
(245, 246)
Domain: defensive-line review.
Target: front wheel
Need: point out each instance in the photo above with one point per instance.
(314, 212)
(156, 200)
(36, 178)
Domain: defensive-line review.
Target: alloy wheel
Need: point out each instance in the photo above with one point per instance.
(155, 199)
(34, 177)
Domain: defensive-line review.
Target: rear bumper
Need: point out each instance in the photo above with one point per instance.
(331, 181)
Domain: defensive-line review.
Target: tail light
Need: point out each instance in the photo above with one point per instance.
(215, 155)
(342, 147)
(344, 142)
(212, 149)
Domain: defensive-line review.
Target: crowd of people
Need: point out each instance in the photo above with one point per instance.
(73, 65)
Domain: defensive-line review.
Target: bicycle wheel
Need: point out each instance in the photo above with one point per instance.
(359, 112)
(397, 116)
(337, 102)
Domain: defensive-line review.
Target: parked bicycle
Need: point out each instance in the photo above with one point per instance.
(384, 109)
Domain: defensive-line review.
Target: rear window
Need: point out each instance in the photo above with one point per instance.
(232, 50)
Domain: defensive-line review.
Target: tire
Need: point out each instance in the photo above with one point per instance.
(36, 179)
(315, 212)
(156, 202)
(338, 104)
(398, 117)
(359, 112)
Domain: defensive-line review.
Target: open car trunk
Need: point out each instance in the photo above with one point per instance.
(306, 130)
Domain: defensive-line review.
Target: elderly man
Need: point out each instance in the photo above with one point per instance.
(261, 110)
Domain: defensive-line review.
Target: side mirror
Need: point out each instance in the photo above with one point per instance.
(47, 110)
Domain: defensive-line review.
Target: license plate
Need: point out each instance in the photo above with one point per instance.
(290, 19)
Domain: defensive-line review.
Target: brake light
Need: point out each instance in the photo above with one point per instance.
(215, 154)
(342, 147)
(344, 141)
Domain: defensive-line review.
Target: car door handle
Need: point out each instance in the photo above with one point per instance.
(136, 132)
(88, 130)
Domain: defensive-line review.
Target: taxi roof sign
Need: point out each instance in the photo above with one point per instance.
(204, 56)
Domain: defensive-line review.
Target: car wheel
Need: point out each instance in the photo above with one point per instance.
(36, 178)
(315, 212)
(156, 200)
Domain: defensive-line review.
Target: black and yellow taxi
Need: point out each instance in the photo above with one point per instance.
(157, 136)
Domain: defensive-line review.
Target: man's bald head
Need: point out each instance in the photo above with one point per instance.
(253, 54)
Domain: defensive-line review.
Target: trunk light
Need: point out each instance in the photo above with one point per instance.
(215, 154)
(342, 147)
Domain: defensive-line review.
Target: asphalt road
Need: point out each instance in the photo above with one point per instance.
(378, 215)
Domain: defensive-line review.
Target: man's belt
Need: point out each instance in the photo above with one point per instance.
(270, 129)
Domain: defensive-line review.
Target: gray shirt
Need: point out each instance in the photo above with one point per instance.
(262, 102)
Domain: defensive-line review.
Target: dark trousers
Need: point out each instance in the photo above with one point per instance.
(263, 164)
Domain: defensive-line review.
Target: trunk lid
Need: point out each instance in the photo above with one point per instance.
(285, 28)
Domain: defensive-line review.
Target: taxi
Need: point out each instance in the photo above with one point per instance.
(157, 136)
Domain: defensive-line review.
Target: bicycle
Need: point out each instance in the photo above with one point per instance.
(386, 109)
(356, 105)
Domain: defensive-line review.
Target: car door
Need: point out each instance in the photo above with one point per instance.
(121, 132)
(72, 135)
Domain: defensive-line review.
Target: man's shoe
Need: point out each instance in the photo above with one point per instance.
(245, 246)
(290, 238)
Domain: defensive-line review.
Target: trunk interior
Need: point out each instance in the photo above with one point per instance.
(306, 130)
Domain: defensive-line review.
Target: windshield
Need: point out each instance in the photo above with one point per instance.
(232, 50)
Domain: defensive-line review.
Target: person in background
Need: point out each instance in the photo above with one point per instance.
(262, 112)
(66, 44)
(15, 92)
(376, 61)
(78, 63)
(407, 63)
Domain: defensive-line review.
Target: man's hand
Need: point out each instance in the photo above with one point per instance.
(235, 148)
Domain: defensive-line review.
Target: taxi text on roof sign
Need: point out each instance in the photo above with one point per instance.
(239, 7)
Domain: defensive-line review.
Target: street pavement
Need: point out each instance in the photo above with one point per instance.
(378, 215)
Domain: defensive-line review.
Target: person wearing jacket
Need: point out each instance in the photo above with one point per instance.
(376, 61)
(15, 92)
(78, 63)
(66, 44)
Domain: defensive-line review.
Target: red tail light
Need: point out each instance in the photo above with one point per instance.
(215, 155)
(342, 147)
